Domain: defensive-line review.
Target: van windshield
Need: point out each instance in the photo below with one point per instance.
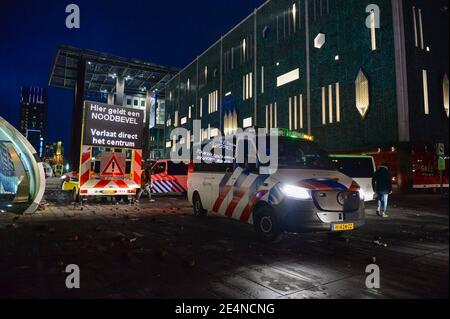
(302, 154)
(361, 167)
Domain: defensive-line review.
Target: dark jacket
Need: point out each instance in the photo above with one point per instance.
(145, 179)
(381, 181)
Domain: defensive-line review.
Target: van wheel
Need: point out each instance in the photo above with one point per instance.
(198, 206)
(75, 196)
(267, 226)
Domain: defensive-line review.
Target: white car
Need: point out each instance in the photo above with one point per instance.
(48, 170)
(306, 193)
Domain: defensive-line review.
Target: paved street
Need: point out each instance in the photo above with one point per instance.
(160, 250)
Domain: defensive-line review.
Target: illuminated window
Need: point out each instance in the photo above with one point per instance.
(294, 15)
(290, 114)
(247, 86)
(183, 120)
(244, 51)
(422, 43)
(330, 103)
(295, 112)
(319, 41)
(189, 138)
(288, 77)
(338, 103)
(175, 122)
(445, 93)
(230, 122)
(190, 111)
(206, 74)
(301, 111)
(362, 94)
(213, 102)
(271, 116)
(324, 112)
(426, 105)
(416, 37)
(248, 122)
(262, 79)
(226, 124)
(201, 107)
(373, 30)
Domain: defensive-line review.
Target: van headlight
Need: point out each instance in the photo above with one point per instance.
(296, 192)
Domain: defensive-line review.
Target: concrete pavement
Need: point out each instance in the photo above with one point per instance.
(160, 250)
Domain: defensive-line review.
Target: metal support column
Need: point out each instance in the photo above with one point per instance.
(77, 114)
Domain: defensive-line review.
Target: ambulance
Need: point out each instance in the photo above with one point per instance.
(305, 194)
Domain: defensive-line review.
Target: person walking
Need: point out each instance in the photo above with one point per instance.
(382, 186)
(146, 182)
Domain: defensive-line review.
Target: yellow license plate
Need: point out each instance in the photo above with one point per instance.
(109, 192)
(342, 227)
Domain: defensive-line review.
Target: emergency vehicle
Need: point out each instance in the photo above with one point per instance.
(305, 194)
(109, 172)
(71, 183)
(169, 177)
(359, 167)
(111, 154)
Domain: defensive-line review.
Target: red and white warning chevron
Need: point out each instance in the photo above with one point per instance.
(92, 185)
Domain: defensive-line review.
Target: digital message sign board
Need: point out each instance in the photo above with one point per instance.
(112, 126)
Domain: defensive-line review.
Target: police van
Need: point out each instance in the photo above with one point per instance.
(169, 177)
(306, 193)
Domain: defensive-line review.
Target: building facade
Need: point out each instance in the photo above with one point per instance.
(360, 76)
(33, 116)
(54, 153)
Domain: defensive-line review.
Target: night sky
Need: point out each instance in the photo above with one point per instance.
(170, 33)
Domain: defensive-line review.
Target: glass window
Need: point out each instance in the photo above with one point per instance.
(22, 175)
(354, 166)
(294, 153)
(362, 94)
(159, 168)
(177, 169)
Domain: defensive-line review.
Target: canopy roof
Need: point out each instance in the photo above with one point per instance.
(102, 69)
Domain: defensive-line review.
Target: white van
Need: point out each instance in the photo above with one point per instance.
(306, 193)
(359, 167)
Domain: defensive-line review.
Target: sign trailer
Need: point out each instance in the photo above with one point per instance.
(111, 150)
